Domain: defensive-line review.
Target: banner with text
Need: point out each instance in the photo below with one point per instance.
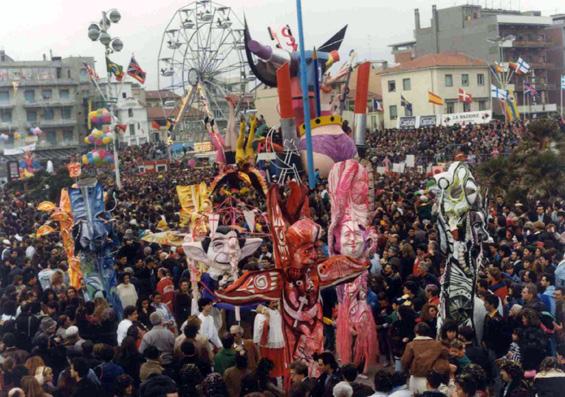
(411, 122)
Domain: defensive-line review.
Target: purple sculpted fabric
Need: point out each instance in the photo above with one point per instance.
(337, 147)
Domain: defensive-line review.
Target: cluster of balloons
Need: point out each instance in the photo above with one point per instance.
(35, 131)
(100, 117)
(97, 157)
(99, 137)
(19, 135)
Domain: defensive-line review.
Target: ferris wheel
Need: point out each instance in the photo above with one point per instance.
(202, 60)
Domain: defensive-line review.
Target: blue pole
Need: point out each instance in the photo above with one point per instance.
(305, 101)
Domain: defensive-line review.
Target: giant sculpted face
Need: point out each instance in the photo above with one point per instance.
(219, 251)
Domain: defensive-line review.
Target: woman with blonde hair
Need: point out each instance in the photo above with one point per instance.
(32, 388)
(44, 376)
(58, 281)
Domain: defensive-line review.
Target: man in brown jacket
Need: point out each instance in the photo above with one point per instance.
(421, 356)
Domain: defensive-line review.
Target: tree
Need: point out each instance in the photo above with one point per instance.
(534, 171)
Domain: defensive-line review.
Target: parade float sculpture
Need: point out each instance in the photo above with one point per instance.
(461, 220)
(63, 216)
(94, 243)
(299, 275)
(350, 234)
(221, 252)
(329, 142)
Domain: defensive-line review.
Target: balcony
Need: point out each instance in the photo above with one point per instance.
(39, 83)
(55, 123)
(538, 108)
(51, 102)
(530, 44)
(7, 105)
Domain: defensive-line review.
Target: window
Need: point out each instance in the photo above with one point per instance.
(482, 104)
(466, 107)
(132, 129)
(449, 80)
(406, 84)
(465, 80)
(48, 114)
(450, 107)
(83, 75)
(31, 116)
(52, 137)
(66, 113)
(47, 93)
(130, 112)
(69, 73)
(391, 86)
(4, 96)
(124, 95)
(480, 79)
(59, 71)
(64, 94)
(392, 109)
(68, 135)
(29, 95)
(6, 115)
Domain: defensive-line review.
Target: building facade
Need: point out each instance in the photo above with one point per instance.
(495, 35)
(130, 110)
(51, 94)
(443, 74)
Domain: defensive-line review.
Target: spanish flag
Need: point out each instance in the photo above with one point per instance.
(434, 98)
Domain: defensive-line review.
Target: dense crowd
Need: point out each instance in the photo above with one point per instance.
(60, 341)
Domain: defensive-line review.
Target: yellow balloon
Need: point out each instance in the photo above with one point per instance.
(106, 140)
(97, 133)
(86, 140)
(84, 159)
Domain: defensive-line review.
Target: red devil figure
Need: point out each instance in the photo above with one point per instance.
(299, 275)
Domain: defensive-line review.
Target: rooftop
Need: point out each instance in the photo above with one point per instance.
(445, 59)
(158, 94)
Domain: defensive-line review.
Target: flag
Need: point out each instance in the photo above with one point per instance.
(405, 104)
(464, 97)
(135, 71)
(496, 92)
(434, 98)
(92, 75)
(377, 105)
(163, 125)
(529, 89)
(501, 67)
(512, 112)
(522, 66)
(115, 69)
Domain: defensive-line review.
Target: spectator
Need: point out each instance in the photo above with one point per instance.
(225, 357)
(422, 355)
(159, 337)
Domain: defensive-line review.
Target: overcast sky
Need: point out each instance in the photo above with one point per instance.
(31, 28)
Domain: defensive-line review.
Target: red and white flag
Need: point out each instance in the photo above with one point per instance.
(464, 97)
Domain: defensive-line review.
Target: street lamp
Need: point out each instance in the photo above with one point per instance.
(99, 32)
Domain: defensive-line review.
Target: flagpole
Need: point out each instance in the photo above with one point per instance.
(305, 99)
(115, 143)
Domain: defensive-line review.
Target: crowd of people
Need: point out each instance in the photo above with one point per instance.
(57, 340)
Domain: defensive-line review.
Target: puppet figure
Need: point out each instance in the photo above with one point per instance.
(349, 234)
